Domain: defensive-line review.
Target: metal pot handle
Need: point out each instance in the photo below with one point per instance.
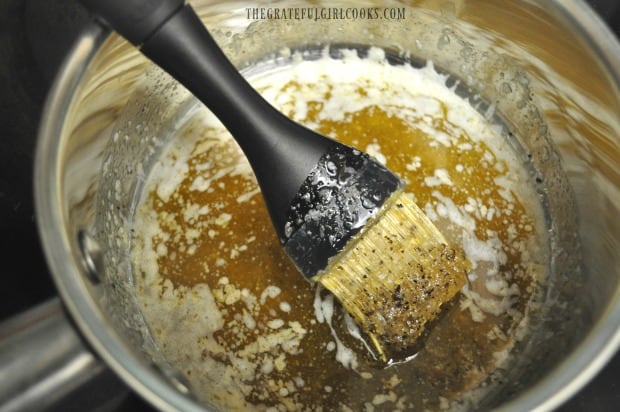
(44, 362)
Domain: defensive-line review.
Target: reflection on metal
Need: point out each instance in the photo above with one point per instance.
(42, 359)
(91, 255)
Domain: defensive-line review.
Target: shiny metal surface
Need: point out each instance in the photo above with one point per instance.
(592, 354)
(80, 295)
(43, 359)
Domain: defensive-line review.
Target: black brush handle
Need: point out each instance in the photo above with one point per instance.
(135, 20)
(281, 152)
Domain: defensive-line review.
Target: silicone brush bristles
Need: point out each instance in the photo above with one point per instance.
(394, 276)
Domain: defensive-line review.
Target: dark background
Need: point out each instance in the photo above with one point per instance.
(34, 37)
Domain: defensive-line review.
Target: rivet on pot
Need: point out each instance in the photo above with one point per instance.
(92, 256)
(175, 377)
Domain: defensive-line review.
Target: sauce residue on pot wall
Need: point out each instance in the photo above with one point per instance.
(228, 309)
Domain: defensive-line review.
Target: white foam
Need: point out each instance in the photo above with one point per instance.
(194, 315)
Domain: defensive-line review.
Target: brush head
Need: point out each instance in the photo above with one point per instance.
(352, 229)
(395, 276)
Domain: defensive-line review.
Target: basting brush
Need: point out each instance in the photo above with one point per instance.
(341, 216)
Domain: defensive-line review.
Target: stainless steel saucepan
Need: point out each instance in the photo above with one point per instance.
(108, 102)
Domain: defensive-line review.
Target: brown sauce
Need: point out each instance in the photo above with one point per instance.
(283, 357)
